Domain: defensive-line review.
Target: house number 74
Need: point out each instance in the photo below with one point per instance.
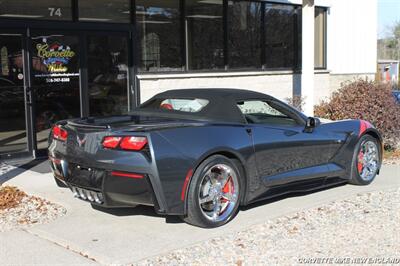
(55, 11)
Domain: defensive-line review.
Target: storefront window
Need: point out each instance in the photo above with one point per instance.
(260, 35)
(244, 34)
(159, 31)
(320, 37)
(281, 26)
(104, 11)
(204, 34)
(38, 9)
(108, 74)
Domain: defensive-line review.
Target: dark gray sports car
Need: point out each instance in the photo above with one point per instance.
(201, 153)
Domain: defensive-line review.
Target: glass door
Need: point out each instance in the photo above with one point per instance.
(107, 64)
(13, 133)
(55, 80)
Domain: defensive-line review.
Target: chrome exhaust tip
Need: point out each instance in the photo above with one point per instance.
(75, 192)
(82, 194)
(89, 196)
(97, 198)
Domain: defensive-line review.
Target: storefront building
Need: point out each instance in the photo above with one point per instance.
(61, 59)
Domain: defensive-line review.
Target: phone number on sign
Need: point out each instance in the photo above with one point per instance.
(53, 80)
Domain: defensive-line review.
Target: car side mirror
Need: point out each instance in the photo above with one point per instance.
(311, 123)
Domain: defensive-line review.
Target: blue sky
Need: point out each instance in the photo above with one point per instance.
(388, 14)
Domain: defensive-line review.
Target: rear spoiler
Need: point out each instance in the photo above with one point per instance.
(128, 123)
(100, 122)
(74, 124)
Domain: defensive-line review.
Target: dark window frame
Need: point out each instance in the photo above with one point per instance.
(182, 55)
(26, 28)
(77, 8)
(75, 23)
(185, 69)
(261, 28)
(88, 37)
(296, 41)
(190, 27)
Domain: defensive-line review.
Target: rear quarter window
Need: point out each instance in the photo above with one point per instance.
(177, 104)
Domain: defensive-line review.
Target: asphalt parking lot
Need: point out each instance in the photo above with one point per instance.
(90, 236)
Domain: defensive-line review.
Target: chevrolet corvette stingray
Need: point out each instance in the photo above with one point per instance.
(202, 153)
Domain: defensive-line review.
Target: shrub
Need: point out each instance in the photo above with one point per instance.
(368, 100)
(296, 101)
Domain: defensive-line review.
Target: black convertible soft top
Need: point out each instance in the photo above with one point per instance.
(213, 93)
(222, 104)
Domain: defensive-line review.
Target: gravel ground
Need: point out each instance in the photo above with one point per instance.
(391, 161)
(31, 210)
(365, 226)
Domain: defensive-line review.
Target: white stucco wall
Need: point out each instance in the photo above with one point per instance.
(352, 36)
(279, 85)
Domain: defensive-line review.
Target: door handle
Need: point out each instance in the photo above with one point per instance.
(290, 133)
(29, 96)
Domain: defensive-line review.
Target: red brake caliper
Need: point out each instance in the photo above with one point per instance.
(360, 165)
(228, 187)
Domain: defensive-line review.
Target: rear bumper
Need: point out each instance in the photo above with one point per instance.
(105, 187)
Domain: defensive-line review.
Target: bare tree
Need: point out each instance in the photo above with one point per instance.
(389, 47)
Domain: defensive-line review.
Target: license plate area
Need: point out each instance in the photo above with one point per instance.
(83, 176)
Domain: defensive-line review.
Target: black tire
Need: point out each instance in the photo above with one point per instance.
(195, 215)
(356, 178)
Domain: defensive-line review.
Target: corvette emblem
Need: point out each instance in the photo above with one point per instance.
(81, 142)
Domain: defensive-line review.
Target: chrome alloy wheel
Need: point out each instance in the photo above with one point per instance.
(368, 160)
(218, 192)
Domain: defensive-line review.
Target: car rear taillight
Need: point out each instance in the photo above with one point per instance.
(111, 142)
(130, 143)
(60, 133)
(133, 143)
